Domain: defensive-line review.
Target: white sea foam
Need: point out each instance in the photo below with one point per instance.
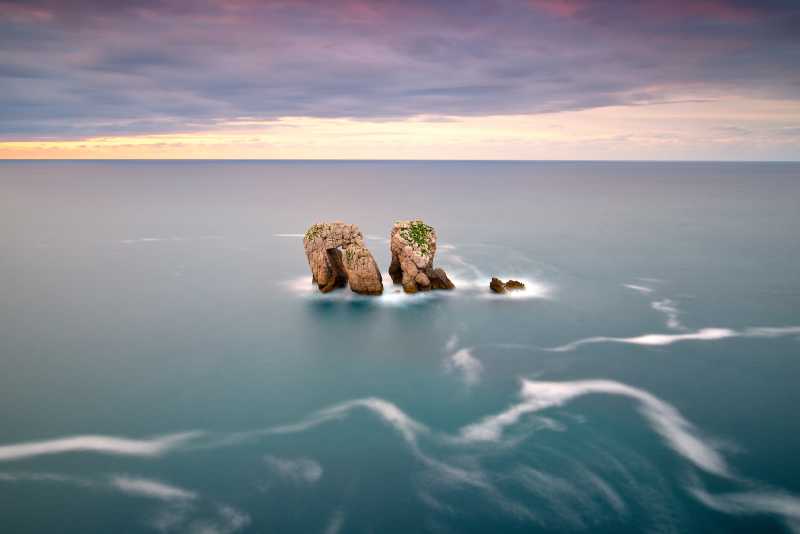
(704, 334)
(534, 289)
(450, 259)
(100, 444)
(452, 343)
(406, 426)
(393, 296)
(45, 477)
(611, 496)
(679, 434)
(753, 503)
(159, 239)
(303, 470)
(136, 486)
(153, 489)
(288, 235)
(335, 523)
(466, 365)
(226, 520)
(669, 308)
(639, 288)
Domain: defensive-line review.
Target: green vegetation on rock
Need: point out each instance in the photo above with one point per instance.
(314, 231)
(419, 234)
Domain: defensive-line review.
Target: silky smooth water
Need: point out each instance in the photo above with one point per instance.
(166, 365)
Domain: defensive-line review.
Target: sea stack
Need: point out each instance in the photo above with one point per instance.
(413, 246)
(337, 257)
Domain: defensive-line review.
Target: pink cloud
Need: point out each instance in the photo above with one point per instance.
(722, 10)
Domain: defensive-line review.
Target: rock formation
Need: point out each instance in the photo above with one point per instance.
(498, 286)
(413, 246)
(332, 268)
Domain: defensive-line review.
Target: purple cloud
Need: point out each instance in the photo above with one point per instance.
(72, 69)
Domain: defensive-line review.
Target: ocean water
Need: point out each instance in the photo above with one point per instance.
(166, 365)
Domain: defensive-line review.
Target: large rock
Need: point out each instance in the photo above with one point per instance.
(413, 246)
(337, 256)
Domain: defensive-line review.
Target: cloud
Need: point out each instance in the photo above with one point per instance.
(98, 444)
(304, 470)
(87, 68)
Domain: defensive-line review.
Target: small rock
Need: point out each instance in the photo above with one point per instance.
(439, 279)
(497, 286)
(514, 285)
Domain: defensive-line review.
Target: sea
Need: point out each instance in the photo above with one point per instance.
(166, 364)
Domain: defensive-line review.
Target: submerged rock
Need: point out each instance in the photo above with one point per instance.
(413, 246)
(498, 286)
(337, 256)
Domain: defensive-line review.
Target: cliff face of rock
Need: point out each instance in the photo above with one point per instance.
(337, 256)
(413, 246)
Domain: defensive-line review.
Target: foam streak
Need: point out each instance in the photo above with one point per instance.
(100, 444)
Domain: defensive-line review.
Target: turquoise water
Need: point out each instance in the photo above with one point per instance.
(166, 366)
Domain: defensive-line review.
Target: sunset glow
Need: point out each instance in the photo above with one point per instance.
(537, 79)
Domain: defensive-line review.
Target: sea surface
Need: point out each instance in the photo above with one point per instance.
(167, 366)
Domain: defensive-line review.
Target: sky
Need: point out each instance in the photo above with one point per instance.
(427, 79)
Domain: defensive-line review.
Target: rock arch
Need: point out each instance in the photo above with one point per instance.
(337, 256)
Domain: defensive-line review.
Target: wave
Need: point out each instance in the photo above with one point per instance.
(536, 396)
(335, 523)
(45, 477)
(96, 443)
(753, 503)
(669, 308)
(639, 288)
(296, 470)
(179, 507)
(704, 334)
(679, 434)
(464, 363)
(154, 489)
(393, 296)
(452, 343)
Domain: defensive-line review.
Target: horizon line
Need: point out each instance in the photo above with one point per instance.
(391, 160)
